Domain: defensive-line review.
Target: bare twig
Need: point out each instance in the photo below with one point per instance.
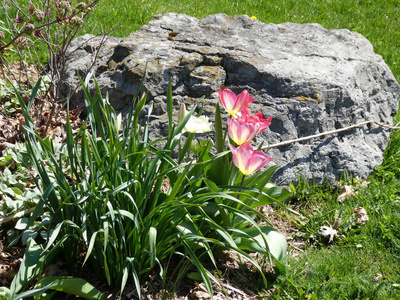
(17, 215)
(227, 286)
(21, 33)
(285, 143)
(297, 248)
(6, 145)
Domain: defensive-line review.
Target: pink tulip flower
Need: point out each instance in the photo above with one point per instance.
(257, 118)
(241, 131)
(247, 160)
(232, 103)
(245, 126)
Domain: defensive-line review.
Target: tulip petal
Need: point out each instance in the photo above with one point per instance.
(247, 160)
(235, 155)
(258, 160)
(227, 99)
(198, 124)
(232, 103)
(245, 117)
(241, 132)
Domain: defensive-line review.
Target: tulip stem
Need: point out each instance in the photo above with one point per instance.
(225, 217)
(230, 174)
(226, 131)
(241, 184)
(285, 143)
(244, 176)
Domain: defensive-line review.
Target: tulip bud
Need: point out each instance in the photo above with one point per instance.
(182, 112)
(119, 118)
(195, 146)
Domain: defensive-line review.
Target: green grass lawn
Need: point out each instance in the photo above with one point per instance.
(363, 262)
(376, 20)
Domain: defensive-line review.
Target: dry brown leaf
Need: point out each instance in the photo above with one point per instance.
(362, 216)
(345, 192)
(338, 223)
(56, 132)
(201, 292)
(328, 231)
(201, 295)
(11, 124)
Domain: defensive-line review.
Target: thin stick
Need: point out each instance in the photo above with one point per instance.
(229, 287)
(6, 145)
(16, 215)
(285, 143)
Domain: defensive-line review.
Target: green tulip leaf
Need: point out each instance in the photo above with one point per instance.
(73, 286)
(5, 293)
(28, 269)
(254, 240)
(279, 193)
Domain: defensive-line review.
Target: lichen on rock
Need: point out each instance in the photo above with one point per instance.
(308, 78)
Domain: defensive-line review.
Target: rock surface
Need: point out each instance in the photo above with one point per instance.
(310, 79)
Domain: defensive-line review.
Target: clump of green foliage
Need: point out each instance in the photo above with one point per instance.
(103, 192)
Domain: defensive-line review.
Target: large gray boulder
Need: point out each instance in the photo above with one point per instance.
(309, 79)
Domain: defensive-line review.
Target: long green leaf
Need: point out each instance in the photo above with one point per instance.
(90, 247)
(53, 236)
(200, 268)
(27, 270)
(73, 286)
(259, 179)
(30, 293)
(25, 110)
(135, 276)
(219, 138)
(256, 237)
(153, 246)
(124, 280)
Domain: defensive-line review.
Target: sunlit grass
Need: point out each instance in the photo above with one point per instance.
(362, 261)
(341, 273)
(376, 20)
